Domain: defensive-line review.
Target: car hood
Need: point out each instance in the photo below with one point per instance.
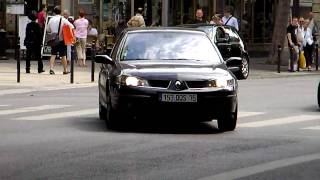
(178, 69)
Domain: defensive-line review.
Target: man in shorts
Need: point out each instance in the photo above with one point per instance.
(60, 48)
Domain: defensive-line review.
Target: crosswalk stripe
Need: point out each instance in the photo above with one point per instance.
(243, 114)
(31, 109)
(4, 105)
(312, 128)
(59, 115)
(15, 91)
(280, 121)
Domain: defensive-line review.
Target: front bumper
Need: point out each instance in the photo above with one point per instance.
(145, 102)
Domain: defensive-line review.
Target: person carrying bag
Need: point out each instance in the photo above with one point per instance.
(56, 40)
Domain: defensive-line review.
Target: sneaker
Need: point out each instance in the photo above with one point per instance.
(52, 72)
(67, 72)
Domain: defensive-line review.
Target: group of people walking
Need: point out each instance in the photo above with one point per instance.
(301, 36)
(59, 28)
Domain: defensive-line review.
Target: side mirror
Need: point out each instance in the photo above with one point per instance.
(104, 59)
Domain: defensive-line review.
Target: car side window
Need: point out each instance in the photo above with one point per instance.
(220, 33)
(233, 36)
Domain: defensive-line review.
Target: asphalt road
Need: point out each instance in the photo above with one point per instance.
(57, 135)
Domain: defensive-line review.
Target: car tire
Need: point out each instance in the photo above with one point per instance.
(243, 73)
(228, 121)
(319, 95)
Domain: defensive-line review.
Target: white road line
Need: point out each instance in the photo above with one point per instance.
(59, 115)
(243, 114)
(245, 172)
(15, 91)
(4, 105)
(312, 128)
(31, 109)
(280, 121)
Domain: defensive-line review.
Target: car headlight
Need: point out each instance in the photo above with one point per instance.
(222, 83)
(132, 81)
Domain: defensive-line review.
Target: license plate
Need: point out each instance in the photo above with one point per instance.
(179, 98)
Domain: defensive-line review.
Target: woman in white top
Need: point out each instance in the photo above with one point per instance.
(307, 43)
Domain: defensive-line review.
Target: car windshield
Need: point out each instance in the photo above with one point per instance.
(169, 46)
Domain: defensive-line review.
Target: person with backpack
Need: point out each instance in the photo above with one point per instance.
(228, 19)
(55, 26)
(33, 41)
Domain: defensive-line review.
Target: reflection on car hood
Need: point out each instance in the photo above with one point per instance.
(178, 69)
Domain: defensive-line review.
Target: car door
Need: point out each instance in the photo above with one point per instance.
(235, 42)
(221, 40)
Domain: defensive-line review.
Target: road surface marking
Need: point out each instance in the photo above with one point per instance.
(4, 105)
(245, 172)
(61, 115)
(243, 114)
(280, 121)
(312, 128)
(15, 91)
(31, 109)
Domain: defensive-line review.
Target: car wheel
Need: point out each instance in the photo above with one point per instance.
(319, 95)
(228, 122)
(243, 73)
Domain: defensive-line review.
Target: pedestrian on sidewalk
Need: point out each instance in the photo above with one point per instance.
(137, 20)
(55, 25)
(81, 33)
(199, 17)
(292, 31)
(42, 17)
(216, 19)
(33, 41)
(229, 19)
(66, 15)
(307, 44)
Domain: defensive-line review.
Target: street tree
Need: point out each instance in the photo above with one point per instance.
(280, 28)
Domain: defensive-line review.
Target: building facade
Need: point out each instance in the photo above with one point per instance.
(256, 17)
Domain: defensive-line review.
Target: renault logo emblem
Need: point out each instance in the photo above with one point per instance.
(178, 84)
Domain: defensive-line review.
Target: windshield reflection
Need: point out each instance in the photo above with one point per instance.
(169, 46)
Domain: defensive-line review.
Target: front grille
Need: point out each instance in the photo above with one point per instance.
(159, 83)
(197, 84)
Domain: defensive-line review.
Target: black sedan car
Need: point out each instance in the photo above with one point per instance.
(229, 44)
(166, 73)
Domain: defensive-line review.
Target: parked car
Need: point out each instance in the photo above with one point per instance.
(162, 73)
(230, 44)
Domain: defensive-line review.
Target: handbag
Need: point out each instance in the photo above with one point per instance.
(302, 60)
(68, 35)
(53, 39)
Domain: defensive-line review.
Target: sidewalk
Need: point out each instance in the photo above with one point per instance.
(35, 81)
(82, 76)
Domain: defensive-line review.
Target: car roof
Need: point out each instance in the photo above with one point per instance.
(163, 29)
(204, 25)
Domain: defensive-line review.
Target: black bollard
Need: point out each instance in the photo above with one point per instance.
(72, 65)
(317, 57)
(298, 61)
(279, 57)
(18, 59)
(93, 54)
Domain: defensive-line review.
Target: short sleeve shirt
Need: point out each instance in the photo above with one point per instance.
(81, 27)
(293, 31)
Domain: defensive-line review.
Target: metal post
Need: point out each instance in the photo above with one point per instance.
(18, 59)
(93, 54)
(298, 61)
(72, 65)
(317, 57)
(279, 57)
